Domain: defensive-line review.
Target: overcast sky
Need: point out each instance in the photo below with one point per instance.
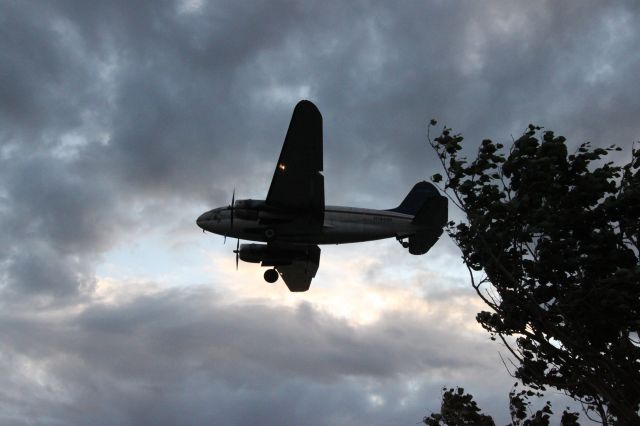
(121, 122)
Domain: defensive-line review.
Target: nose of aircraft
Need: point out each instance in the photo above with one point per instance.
(200, 221)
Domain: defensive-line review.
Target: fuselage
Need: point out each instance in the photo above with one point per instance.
(254, 220)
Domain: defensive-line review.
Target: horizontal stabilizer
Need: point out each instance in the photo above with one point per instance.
(421, 242)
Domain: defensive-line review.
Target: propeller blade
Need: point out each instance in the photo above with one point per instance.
(233, 203)
(237, 252)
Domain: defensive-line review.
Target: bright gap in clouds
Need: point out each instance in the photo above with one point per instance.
(416, 308)
(355, 282)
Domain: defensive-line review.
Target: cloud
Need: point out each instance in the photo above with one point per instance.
(121, 122)
(140, 356)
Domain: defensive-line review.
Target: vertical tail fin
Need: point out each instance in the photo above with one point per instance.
(412, 203)
(434, 212)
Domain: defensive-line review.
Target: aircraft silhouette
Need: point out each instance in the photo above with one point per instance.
(293, 219)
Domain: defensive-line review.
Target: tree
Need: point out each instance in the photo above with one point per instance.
(459, 409)
(556, 236)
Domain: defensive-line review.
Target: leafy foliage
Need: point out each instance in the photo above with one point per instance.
(557, 237)
(519, 407)
(458, 408)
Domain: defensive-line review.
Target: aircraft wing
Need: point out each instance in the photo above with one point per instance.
(298, 273)
(297, 182)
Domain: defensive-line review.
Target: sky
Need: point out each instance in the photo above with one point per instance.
(121, 122)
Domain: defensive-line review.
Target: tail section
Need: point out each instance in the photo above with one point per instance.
(420, 192)
(430, 211)
(433, 212)
(421, 242)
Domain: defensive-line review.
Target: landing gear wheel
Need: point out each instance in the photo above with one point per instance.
(402, 242)
(269, 234)
(271, 275)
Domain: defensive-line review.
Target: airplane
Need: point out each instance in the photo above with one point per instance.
(293, 220)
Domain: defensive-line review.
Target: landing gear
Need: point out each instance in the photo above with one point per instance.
(402, 242)
(270, 234)
(271, 275)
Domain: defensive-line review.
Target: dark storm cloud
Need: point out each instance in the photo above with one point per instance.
(488, 70)
(115, 117)
(139, 358)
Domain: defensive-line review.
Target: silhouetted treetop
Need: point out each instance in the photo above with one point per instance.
(556, 235)
(458, 408)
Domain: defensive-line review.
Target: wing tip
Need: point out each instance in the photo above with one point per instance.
(307, 105)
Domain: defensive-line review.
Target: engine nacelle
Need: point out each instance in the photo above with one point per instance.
(252, 253)
(272, 256)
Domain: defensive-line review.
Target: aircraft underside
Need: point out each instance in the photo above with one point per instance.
(331, 232)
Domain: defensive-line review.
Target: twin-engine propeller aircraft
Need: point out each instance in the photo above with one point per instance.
(293, 219)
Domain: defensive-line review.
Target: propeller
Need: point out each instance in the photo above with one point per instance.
(233, 204)
(237, 252)
(231, 207)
